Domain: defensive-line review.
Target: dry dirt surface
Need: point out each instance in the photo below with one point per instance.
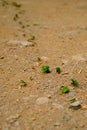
(35, 33)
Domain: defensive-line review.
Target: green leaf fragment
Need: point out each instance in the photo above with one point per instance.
(45, 69)
(31, 38)
(23, 82)
(74, 82)
(64, 89)
(58, 70)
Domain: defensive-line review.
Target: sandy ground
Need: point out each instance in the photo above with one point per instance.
(60, 30)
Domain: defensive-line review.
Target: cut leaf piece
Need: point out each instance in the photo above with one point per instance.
(45, 69)
(64, 89)
(74, 82)
(58, 70)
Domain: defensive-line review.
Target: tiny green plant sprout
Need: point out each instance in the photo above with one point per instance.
(45, 69)
(15, 4)
(58, 70)
(23, 83)
(64, 89)
(74, 82)
(31, 38)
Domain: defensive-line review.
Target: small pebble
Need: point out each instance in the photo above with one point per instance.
(2, 57)
(17, 100)
(49, 96)
(75, 105)
(33, 119)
